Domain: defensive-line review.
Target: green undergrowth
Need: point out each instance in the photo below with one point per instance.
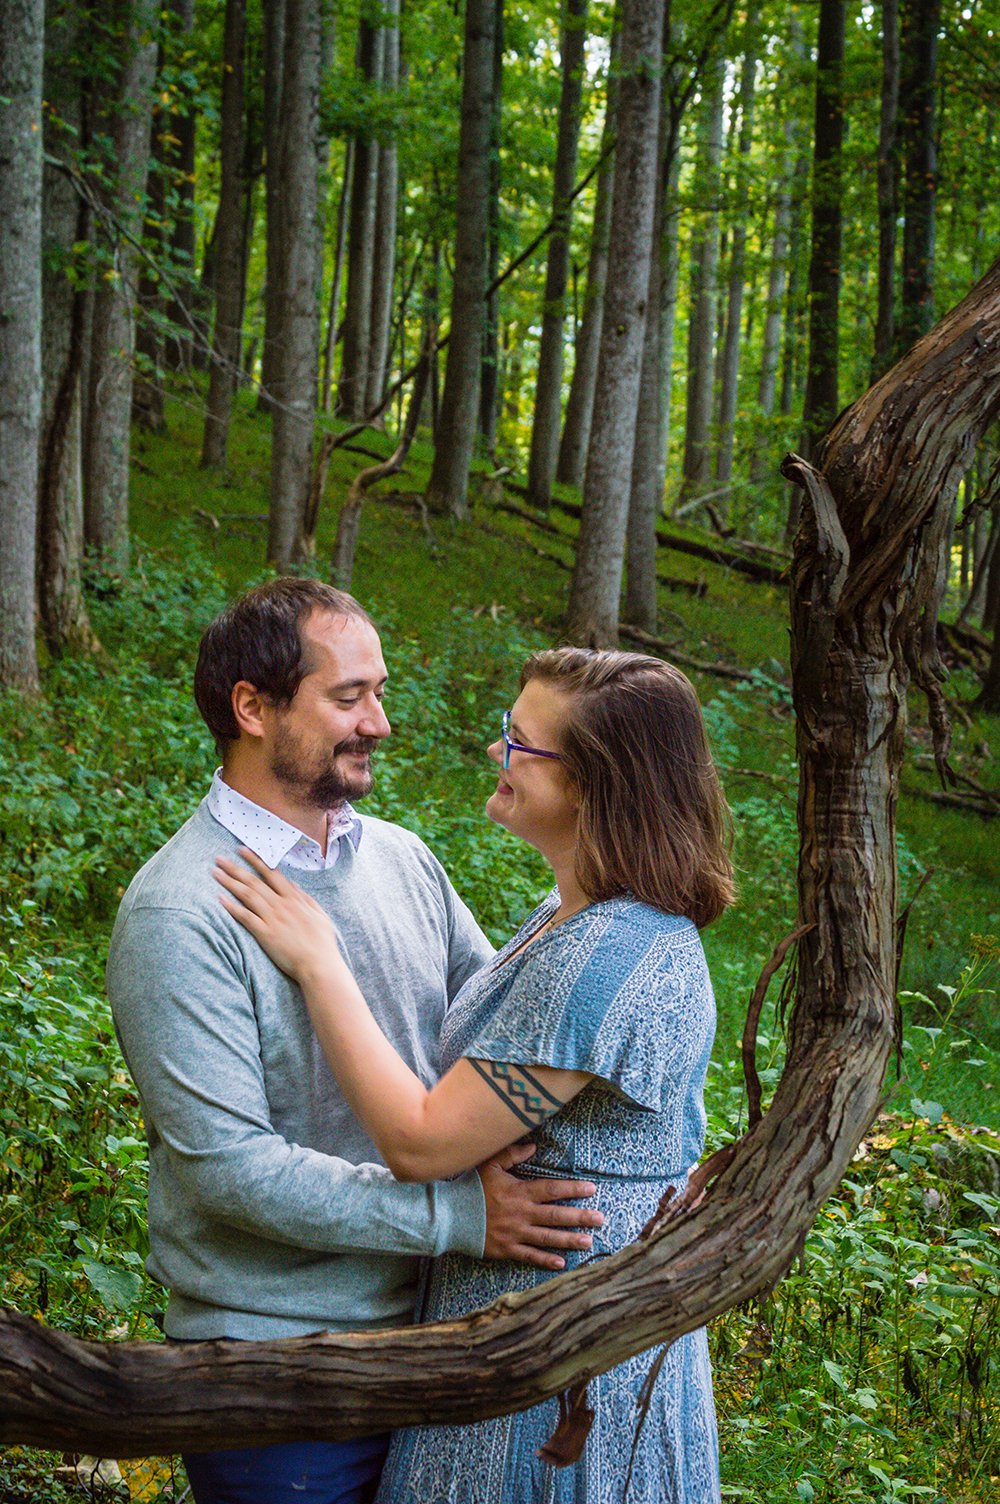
(869, 1374)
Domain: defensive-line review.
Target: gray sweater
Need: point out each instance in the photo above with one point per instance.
(270, 1213)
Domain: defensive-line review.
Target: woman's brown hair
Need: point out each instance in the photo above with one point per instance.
(653, 819)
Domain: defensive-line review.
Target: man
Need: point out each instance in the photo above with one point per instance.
(269, 1213)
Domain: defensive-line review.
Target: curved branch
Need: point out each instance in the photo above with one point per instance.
(888, 464)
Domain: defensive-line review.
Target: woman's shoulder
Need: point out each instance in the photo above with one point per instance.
(627, 919)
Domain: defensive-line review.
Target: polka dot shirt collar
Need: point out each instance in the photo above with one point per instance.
(273, 839)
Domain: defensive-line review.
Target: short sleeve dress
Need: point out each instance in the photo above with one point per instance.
(620, 990)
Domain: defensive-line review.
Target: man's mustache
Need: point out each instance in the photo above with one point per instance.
(357, 745)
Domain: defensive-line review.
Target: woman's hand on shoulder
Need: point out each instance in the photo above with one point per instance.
(289, 925)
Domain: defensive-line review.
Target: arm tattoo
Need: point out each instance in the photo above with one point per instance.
(518, 1090)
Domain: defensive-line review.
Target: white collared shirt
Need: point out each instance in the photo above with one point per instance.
(273, 839)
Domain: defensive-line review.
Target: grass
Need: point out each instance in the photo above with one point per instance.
(870, 1373)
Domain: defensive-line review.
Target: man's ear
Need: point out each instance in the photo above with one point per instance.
(248, 708)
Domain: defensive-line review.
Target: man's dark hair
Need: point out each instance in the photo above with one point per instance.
(259, 638)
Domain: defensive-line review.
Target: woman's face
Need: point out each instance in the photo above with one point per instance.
(534, 797)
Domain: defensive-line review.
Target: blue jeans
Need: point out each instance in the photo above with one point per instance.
(295, 1472)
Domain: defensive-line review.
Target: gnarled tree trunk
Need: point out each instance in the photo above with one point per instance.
(864, 594)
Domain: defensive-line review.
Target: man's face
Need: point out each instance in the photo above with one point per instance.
(320, 746)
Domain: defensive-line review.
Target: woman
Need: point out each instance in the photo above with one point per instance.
(591, 1029)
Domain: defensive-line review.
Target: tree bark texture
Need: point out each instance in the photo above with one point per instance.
(21, 26)
(296, 355)
(575, 440)
(822, 384)
(455, 437)
(702, 303)
(863, 589)
(920, 22)
(888, 190)
(592, 617)
(65, 223)
(109, 396)
(544, 452)
(229, 266)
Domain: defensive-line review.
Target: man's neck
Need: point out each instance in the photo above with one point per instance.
(266, 792)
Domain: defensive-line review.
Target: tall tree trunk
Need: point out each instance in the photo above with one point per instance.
(179, 164)
(592, 616)
(821, 400)
(737, 269)
(148, 410)
(333, 309)
(888, 190)
(580, 403)
(274, 66)
(646, 493)
(920, 22)
(489, 376)
(229, 269)
(356, 356)
(455, 436)
(670, 266)
(296, 366)
(65, 224)
(109, 397)
(21, 26)
(761, 463)
(544, 450)
(702, 301)
(386, 196)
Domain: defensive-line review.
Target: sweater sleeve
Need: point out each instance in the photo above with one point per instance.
(184, 1012)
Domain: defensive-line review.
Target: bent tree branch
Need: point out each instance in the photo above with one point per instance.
(864, 589)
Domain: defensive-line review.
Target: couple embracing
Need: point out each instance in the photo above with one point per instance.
(348, 1095)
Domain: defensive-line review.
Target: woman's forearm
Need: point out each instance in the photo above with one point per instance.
(388, 1097)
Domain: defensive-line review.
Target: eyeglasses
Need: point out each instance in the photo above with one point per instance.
(511, 746)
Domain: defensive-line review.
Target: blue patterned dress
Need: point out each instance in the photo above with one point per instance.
(620, 990)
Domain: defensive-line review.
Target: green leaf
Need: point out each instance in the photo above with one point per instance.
(118, 1289)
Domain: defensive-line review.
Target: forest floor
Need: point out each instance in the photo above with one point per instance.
(872, 1373)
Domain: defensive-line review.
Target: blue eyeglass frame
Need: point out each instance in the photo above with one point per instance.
(510, 746)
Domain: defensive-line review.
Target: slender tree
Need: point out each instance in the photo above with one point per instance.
(888, 190)
(822, 377)
(274, 77)
(229, 265)
(65, 225)
(386, 197)
(179, 165)
(296, 353)
(597, 574)
(489, 379)
(544, 452)
(920, 22)
(730, 356)
(704, 290)
(646, 494)
(580, 404)
(455, 436)
(109, 396)
(356, 357)
(21, 26)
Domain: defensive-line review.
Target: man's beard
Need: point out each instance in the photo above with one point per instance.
(315, 784)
